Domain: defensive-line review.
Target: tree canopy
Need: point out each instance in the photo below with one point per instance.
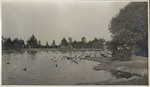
(32, 41)
(130, 26)
(53, 43)
(64, 42)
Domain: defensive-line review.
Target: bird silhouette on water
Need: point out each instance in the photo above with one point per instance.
(7, 63)
(56, 65)
(24, 69)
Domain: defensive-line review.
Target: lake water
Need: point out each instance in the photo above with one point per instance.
(48, 68)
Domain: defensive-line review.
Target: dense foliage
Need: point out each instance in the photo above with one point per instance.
(32, 42)
(7, 43)
(130, 27)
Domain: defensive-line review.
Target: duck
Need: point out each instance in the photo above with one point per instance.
(69, 58)
(7, 63)
(56, 65)
(24, 69)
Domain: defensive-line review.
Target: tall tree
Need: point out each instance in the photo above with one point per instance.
(130, 26)
(18, 44)
(32, 41)
(64, 42)
(53, 43)
(7, 43)
(70, 40)
(74, 44)
(95, 40)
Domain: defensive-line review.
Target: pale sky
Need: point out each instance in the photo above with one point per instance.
(55, 20)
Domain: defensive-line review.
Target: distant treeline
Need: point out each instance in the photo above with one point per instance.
(32, 42)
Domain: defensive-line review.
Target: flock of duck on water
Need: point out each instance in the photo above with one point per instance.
(74, 58)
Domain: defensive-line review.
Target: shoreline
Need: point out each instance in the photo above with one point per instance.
(137, 65)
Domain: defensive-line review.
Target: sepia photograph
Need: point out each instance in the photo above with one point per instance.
(76, 42)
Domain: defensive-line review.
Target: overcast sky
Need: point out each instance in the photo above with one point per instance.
(55, 20)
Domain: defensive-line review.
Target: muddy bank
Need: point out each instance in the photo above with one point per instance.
(134, 72)
(140, 81)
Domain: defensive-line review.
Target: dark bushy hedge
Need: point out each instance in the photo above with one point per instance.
(122, 55)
